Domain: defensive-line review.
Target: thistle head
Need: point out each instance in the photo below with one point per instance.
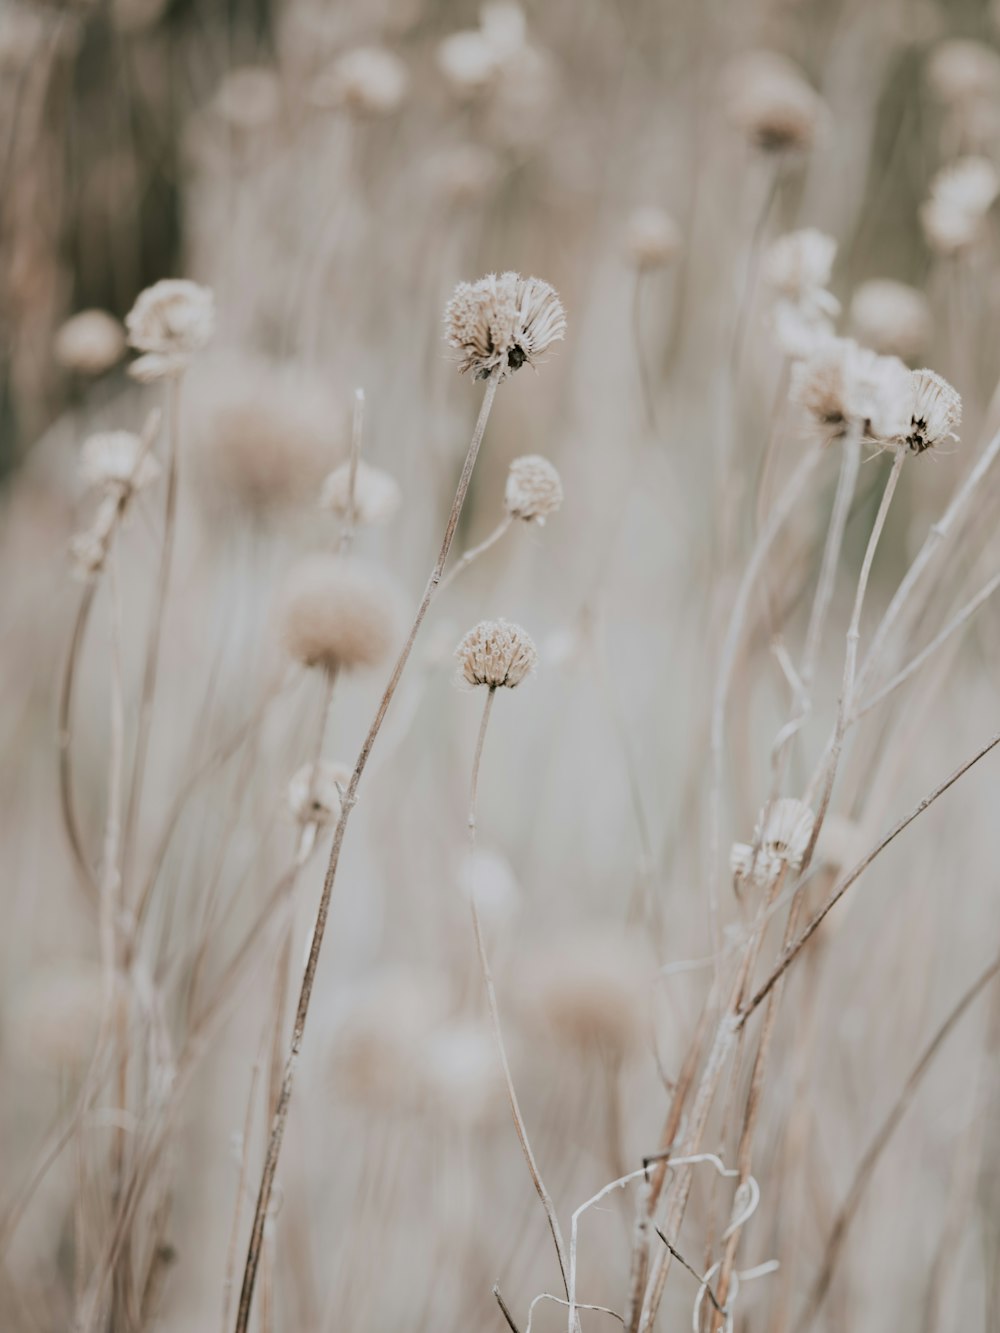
(533, 490)
(496, 653)
(502, 322)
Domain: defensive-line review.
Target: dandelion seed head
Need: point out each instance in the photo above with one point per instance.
(533, 490)
(90, 343)
(502, 322)
(314, 792)
(891, 318)
(377, 496)
(496, 653)
(652, 238)
(338, 615)
(770, 100)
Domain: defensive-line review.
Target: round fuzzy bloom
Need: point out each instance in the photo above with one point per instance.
(803, 328)
(891, 318)
(936, 412)
(533, 489)
(460, 1073)
(799, 262)
(90, 343)
(768, 98)
(591, 991)
(314, 792)
(370, 80)
(487, 878)
(376, 494)
(117, 460)
(783, 830)
(652, 238)
(960, 70)
(338, 614)
(496, 653)
(961, 196)
(844, 386)
(172, 319)
(248, 98)
(505, 26)
(499, 323)
(750, 865)
(469, 62)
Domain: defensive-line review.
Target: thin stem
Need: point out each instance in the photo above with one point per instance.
(865, 1168)
(846, 485)
(150, 670)
(67, 800)
(644, 384)
(474, 552)
(357, 433)
(319, 928)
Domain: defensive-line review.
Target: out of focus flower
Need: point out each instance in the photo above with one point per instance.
(891, 318)
(496, 653)
(533, 490)
(796, 269)
(170, 322)
(460, 1074)
(781, 837)
(936, 412)
(370, 80)
(314, 792)
(248, 98)
(500, 323)
(652, 238)
(376, 494)
(117, 460)
(591, 992)
(337, 614)
(769, 99)
(961, 196)
(960, 70)
(846, 387)
(90, 343)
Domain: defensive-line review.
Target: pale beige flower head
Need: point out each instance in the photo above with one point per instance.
(936, 412)
(592, 992)
(314, 793)
(769, 99)
(960, 70)
(502, 322)
(370, 80)
(117, 460)
(496, 653)
(961, 196)
(784, 828)
(377, 496)
(90, 343)
(799, 262)
(338, 614)
(845, 387)
(652, 238)
(460, 1076)
(533, 490)
(170, 322)
(891, 318)
(248, 99)
(468, 61)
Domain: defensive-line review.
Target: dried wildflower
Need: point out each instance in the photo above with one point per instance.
(496, 653)
(314, 792)
(803, 328)
(936, 412)
(487, 877)
(783, 830)
(652, 238)
(960, 70)
(459, 1073)
(768, 98)
(248, 99)
(117, 460)
(799, 262)
(961, 196)
(369, 80)
(90, 343)
(533, 490)
(591, 993)
(337, 615)
(170, 321)
(376, 494)
(844, 386)
(500, 323)
(891, 318)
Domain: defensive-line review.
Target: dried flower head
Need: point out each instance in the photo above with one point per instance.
(170, 321)
(314, 792)
(936, 412)
(891, 318)
(376, 494)
(459, 1073)
(496, 653)
(783, 830)
(769, 99)
(468, 61)
(533, 490)
(370, 80)
(248, 99)
(500, 323)
(799, 262)
(338, 614)
(465, 173)
(90, 343)
(591, 993)
(961, 196)
(117, 460)
(960, 70)
(846, 387)
(652, 238)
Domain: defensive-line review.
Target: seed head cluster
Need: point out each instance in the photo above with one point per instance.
(496, 653)
(500, 323)
(533, 490)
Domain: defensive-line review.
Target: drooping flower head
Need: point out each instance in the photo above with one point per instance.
(496, 653)
(769, 99)
(936, 412)
(533, 490)
(501, 322)
(170, 322)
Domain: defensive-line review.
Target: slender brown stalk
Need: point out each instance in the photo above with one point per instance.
(67, 800)
(644, 382)
(350, 796)
(474, 552)
(357, 434)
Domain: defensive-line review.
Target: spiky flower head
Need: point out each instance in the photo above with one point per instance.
(314, 792)
(376, 494)
(891, 318)
(533, 490)
(117, 460)
(781, 837)
(936, 412)
(338, 614)
(496, 653)
(170, 322)
(501, 322)
(90, 342)
(845, 387)
(652, 238)
(769, 99)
